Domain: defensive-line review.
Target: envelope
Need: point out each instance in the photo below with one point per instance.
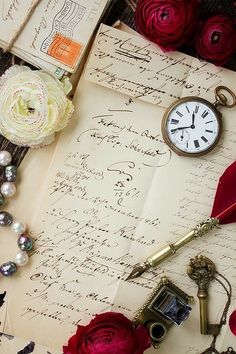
(56, 36)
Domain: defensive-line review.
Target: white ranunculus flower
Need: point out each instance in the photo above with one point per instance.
(33, 106)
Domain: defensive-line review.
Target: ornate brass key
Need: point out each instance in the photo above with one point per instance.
(202, 270)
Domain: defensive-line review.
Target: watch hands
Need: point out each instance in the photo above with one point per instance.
(192, 126)
(181, 128)
(193, 119)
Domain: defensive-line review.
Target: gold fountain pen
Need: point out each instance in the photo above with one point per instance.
(169, 250)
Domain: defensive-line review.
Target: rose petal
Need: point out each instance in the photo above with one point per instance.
(109, 333)
(143, 337)
(232, 322)
(212, 42)
(168, 23)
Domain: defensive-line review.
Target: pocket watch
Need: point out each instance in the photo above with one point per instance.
(192, 126)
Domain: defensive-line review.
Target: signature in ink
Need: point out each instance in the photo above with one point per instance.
(122, 168)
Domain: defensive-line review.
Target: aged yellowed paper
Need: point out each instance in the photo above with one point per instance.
(13, 345)
(132, 65)
(114, 193)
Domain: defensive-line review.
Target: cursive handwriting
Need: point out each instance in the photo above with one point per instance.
(9, 10)
(132, 65)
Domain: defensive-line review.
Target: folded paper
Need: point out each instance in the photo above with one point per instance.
(114, 193)
(56, 35)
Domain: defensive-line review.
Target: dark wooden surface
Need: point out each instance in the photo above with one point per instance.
(121, 10)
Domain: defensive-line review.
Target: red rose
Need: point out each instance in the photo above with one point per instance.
(169, 23)
(232, 322)
(109, 333)
(216, 39)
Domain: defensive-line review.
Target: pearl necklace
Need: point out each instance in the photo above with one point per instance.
(24, 242)
(8, 188)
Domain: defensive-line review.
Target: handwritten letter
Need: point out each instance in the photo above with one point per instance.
(132, 65)
(115, 193)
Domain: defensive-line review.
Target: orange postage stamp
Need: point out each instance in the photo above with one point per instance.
(65, 50)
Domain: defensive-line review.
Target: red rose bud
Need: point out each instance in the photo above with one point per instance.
(216, 39)
(232, 322)
(168, 23)
(109, 333)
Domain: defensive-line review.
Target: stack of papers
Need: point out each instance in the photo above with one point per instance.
(56, 35)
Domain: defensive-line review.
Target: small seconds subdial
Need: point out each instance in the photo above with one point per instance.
(181, 137)
(192, 126)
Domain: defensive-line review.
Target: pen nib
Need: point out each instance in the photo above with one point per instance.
(138, 270)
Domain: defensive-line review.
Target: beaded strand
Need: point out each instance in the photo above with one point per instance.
(8, 188)
(24, 242)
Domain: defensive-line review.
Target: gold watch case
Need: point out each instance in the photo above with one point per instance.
(165, 134)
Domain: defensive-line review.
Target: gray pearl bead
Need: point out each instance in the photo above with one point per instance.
(25, 242)
(2, 200)
(8, 268)
(10, 173)
(5, 218)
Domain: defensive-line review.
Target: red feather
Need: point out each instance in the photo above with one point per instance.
(224, 207)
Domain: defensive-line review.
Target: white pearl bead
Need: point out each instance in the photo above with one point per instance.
(18, 227)
(21, 258)
(8, 189)
(5, 158)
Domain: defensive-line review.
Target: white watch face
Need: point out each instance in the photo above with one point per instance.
(192, 126)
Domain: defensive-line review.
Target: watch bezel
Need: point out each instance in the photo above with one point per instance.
(165, 134)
